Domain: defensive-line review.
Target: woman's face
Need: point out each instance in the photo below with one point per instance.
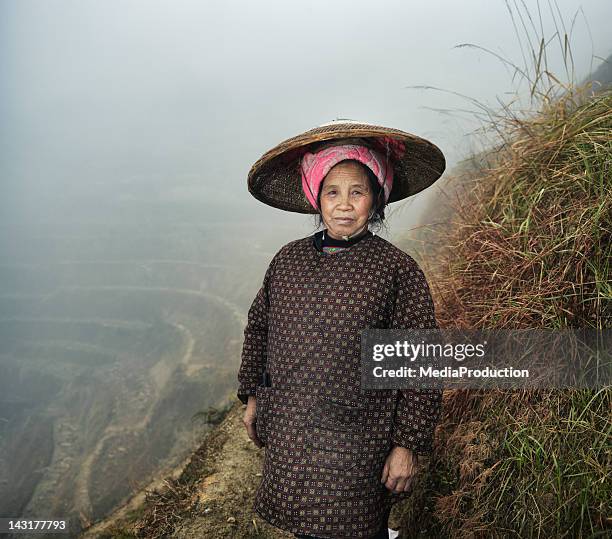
(346, 199)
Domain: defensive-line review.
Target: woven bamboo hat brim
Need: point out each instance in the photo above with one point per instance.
(275, 178)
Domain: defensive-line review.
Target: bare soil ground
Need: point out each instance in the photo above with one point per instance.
(212, 496)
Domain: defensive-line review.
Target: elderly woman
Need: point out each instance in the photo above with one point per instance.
(337, 456)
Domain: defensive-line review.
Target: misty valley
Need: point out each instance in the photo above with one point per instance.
(108, 349)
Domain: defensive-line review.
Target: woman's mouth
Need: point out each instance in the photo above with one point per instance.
(343, 220)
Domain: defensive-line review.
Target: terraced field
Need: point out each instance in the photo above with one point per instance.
(103, 364)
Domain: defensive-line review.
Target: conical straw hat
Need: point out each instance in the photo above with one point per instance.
(275, 178)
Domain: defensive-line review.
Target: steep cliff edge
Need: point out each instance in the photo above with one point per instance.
(210, 496)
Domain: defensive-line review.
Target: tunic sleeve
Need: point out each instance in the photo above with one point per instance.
(418, 410)
(254, 348)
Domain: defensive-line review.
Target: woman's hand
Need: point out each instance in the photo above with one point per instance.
(250, 419)
(399, 470)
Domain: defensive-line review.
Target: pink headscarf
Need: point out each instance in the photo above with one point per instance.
(315, 166)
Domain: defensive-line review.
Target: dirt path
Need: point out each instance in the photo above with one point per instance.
(225, 493)
(226, 470)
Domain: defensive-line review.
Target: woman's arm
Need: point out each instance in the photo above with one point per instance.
(254, 348)
(418, 410)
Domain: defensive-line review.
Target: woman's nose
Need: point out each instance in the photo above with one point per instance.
(344, 201)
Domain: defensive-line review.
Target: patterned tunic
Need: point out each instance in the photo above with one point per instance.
(326, 438)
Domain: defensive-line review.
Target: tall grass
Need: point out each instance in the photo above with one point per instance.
(529, 246)
(533, 242)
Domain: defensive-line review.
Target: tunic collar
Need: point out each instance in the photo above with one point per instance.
(322, 239)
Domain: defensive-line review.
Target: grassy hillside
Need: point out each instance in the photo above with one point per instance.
(530, 247)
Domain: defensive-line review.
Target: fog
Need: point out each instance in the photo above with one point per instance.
(102, 100)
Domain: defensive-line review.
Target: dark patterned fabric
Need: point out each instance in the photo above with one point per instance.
(327, 439)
